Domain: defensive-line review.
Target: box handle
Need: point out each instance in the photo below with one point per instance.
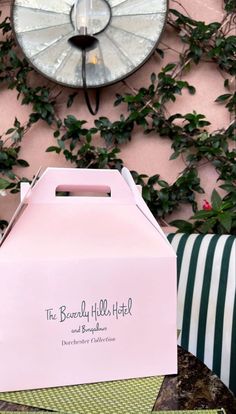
(82, 191)
(78, 181)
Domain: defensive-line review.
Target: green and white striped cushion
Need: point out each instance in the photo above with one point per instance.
(206, 270)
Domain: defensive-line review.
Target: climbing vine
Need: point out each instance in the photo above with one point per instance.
(145, 108)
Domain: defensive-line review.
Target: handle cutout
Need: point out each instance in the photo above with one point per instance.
(82, 191)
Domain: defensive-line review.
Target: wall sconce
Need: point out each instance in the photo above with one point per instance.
(88, 44)
(87, 23)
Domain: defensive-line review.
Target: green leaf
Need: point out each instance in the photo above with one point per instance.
(225, 220)
(228, 187)
(216, 200)
(61, 143)
(3, 224)
(53, 149)
(226, 83)
(191, 90)
(163, 183)
(208, 225)
(203, 214)
(160, 52)
(3, 184)
(146, 193)
(153, 179)
(183, 226)
(70, 100)
(223, 98)
(10, 131)
(174, 155)
(119, 99)
(56, 134)
(153, 77)
(22, 163)
(169, 67)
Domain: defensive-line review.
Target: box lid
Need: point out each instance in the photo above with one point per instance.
(52, 226)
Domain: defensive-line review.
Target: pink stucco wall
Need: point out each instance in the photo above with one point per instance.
(146, 154)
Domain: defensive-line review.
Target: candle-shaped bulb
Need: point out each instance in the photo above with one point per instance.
(88, 17)
(82, 13)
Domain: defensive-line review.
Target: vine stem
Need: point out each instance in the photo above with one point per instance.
(134, 90)
(181, 5)
(175, 75)
(170, 48)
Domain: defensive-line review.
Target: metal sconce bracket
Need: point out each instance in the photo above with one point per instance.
(85, 89)
(84, 42)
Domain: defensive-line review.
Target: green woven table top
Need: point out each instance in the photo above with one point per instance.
(219, 411)
(121, 397)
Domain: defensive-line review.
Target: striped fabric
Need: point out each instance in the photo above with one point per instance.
(206, 270)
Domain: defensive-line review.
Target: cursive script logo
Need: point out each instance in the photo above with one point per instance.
(82, 313)
(95, 311)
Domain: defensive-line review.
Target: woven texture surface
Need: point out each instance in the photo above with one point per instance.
(129, 396)
(221, 411)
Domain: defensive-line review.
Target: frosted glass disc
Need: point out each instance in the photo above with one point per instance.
(43, 29)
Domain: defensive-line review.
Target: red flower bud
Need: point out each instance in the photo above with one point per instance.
(207, 206)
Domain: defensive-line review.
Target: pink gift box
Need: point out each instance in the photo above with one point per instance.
(88, 285)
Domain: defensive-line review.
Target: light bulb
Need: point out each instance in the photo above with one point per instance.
(83, 9)
(94, 60)
(88, 17)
